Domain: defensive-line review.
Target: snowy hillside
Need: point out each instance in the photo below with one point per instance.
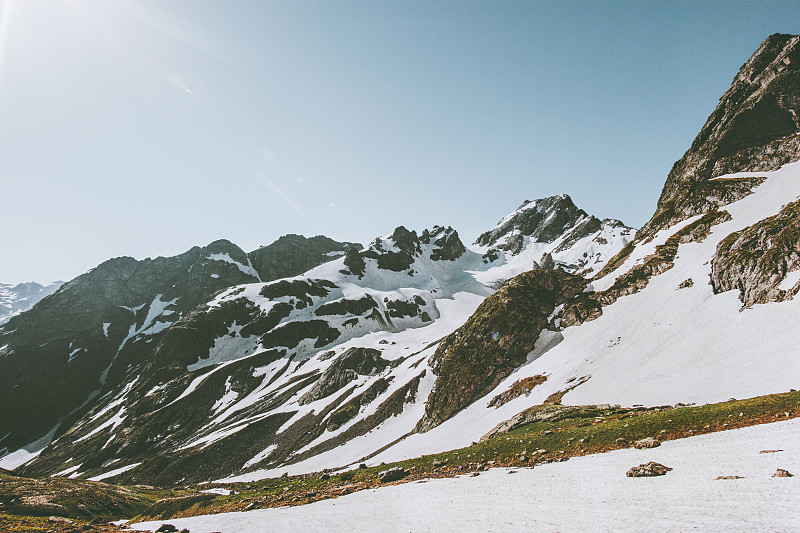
(14, 299)
(291, 370)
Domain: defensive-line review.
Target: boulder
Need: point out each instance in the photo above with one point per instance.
(648, 442)
(392, 474)
(648, 470)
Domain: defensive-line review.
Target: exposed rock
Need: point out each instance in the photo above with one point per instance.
(537, 413)
(727, 477)
(517, 389)
(782, 473)
(346, 367)
(543, 221)
(547, 263)
(446, 244)
(648, 470)
(662, 260)
(754, 128)
(392, 474)
(685, 284)
(293, 254)
(495, 340)
(756, 259)
(648, 442)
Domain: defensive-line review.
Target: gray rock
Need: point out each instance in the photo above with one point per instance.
(648, 442)
(648, 470)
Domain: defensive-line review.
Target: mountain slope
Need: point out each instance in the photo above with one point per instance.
(86, 338)
(284, 372)
(14, 299)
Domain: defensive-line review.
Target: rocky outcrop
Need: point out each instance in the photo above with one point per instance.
(647, 442)
(344, 369)
(537, 413)
(650, 469)
(293, 254)
(756, 259)
(754, 128)
(494, 341)
(445, 244)
(517, 389)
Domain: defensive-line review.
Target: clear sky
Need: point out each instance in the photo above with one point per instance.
(145, 127)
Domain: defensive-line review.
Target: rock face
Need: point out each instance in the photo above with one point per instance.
(495, 340)
(14, 299)
(754, 128)
(543, 220)
(757, 259)
(346, 368)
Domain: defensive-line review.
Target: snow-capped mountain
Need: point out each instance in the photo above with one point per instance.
(317, 353)
(417, 343)
(14, 299)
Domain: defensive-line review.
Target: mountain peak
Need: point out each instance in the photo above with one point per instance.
(543, 220)
(755, 128)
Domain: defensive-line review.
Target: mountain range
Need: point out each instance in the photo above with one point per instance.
(310, 354)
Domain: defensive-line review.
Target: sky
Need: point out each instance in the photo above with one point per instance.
(145, 127)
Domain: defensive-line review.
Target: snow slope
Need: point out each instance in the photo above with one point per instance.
(662, 345)
(588, 493)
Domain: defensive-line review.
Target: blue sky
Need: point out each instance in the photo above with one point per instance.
(145, 127)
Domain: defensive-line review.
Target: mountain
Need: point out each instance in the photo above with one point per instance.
(418, 344)
(15, 299)
(198, 376)
(82, 341)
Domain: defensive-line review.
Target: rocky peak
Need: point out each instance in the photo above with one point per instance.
(293, 254)
(542, 220)
(755, 127)
(445, 243)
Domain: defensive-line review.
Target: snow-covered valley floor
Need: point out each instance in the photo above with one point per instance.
(588, 493)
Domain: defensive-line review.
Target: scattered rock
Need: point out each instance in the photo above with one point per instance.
(782, 473)
(648, 470)
(648, 442)
(393, 474)
(729, 477)
(686, 283)
(620, 441)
